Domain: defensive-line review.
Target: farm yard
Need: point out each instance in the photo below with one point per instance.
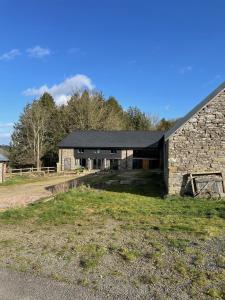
(117, 237)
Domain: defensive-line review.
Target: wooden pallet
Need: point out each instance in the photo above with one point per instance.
(208, 184)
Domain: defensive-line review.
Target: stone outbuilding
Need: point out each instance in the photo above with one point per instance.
(3, 164)
(196, 144)
(116, 150)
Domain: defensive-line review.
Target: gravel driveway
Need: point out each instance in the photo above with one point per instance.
(22, 194)
(20, 286)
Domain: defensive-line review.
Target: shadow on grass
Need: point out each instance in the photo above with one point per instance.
(138, 182)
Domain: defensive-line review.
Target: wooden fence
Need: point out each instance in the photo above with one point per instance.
(23, 171)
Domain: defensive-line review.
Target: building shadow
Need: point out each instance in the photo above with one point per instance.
(139, 182)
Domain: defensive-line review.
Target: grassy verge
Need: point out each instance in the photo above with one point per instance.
(17, 179)
(121, 242)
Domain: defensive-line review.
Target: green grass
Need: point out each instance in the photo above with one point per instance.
(87, 235)
(91, 254)
(20, 179)
(135, 211)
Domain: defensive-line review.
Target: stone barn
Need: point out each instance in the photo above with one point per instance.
(196, 144)
(3, 163)
(116, 150)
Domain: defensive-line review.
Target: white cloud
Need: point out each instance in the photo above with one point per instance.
(5, 134)
(5, 138)
(38, 52)
(186, 69)
(6, 125)
(12, 54)
(167, 107)
(62, 92)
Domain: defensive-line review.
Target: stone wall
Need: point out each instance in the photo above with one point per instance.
(198, 146)
(126, 159)
(1, 171)
(66, 156)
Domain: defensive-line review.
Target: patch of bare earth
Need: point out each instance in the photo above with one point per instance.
(23, 194)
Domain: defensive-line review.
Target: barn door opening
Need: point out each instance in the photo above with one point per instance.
(67, 163)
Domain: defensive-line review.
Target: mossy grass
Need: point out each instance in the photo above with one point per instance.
(134, 211)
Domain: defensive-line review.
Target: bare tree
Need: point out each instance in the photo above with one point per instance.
(36, 124)
(29, 135)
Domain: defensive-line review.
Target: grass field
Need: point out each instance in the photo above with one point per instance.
(121, 242)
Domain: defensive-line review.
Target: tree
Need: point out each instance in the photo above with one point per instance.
(114, 105)
(43, 124)
(54, 129)
(165, 125)
(90, 111)
(137, 120)
(29, 136)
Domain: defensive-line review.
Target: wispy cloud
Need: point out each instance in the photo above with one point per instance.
(132, 62)
(12, 54)
(76, 50)
(212, 81)
(38, 52)
(5, 132)
(5, 138)
(185, 69)
(167, 107)
(63, 90)
(6, 125)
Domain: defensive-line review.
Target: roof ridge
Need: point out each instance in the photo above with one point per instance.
(102, 130)
(194, 111)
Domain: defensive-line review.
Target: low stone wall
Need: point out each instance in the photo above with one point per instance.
(64, 186)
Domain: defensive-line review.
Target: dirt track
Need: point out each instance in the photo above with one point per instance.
(22, 194)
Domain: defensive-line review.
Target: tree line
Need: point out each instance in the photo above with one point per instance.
(43, 124)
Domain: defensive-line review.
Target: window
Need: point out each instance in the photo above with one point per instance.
(81, 150)
(97, 151)
(113, 151)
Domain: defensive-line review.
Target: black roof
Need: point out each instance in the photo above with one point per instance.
(195, 110)
(111, 139)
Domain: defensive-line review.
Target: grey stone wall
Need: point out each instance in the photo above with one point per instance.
(73, 156)
(65, 156)
(198, 146)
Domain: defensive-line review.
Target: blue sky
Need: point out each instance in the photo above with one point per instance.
(163, 56)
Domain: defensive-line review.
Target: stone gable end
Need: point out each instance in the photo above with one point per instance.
(198, 146)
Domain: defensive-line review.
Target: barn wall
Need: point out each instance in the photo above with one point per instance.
(125, 158)
(66, 154)
(199, 146)
(1, 171)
